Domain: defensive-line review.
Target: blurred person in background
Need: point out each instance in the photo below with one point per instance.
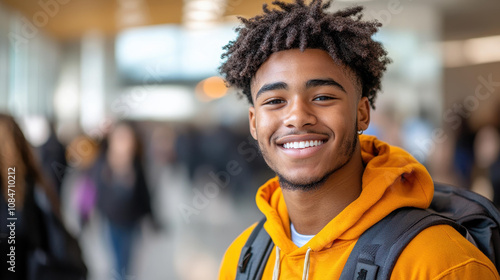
(42, 246)
(52, 156)
(486, 162)
(463, 157)
(78, 184)
(123, 196)
(477, 152)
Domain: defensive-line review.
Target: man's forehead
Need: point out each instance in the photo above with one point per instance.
(292, 63)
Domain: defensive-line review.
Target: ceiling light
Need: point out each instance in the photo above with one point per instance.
(460, 53)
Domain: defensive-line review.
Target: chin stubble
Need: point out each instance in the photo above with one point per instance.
(310, 184)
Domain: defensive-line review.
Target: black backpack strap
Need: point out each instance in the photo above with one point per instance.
(255, 253)
(377, 250)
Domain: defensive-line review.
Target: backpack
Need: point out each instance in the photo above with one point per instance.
(378, 248)
(44, 249)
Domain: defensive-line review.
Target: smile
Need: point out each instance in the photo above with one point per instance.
(302, 144)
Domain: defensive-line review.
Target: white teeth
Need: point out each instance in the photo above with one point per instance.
(302, 144)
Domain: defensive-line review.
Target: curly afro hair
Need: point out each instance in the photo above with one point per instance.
(300, 26)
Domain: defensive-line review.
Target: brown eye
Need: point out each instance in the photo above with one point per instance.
(323, 98)
(274, 102)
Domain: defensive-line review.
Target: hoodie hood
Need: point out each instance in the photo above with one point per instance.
(392, 179)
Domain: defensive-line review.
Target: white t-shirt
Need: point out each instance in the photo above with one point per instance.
(299, 239)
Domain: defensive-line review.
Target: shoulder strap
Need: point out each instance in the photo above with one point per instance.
(378, 249)
(255, 253)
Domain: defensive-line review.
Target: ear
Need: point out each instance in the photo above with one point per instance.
(363, 113)
(251, 119)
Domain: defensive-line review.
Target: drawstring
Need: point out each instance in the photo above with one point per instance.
(276, 272)
(305, 273)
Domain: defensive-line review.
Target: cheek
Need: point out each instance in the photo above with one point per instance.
(339, 120)
(265, 125)
(350, 115)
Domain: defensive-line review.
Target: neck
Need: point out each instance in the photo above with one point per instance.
(310, 211)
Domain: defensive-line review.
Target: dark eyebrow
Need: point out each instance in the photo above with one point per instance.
(324, 82)
(269, 87)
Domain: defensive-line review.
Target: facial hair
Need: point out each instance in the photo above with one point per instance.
(309, 184)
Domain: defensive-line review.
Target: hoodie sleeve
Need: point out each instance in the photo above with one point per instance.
(442, 253)
(231, 257)
(471, 269)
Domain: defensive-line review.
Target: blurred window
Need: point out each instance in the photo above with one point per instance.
(167, 53)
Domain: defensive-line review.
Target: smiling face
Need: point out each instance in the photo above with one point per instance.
(306, 112)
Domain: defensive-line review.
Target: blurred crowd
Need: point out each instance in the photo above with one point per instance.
(118, 181)
(461, 149)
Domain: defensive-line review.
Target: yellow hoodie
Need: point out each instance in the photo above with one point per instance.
(392, 179)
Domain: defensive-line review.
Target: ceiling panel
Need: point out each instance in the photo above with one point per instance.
(71, 18)
(76, 17)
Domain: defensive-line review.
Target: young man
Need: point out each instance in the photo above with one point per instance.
(311, 78)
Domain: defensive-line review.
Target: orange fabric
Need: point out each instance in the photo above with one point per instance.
(392, 179)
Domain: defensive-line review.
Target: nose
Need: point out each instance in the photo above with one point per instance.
(300, 114)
